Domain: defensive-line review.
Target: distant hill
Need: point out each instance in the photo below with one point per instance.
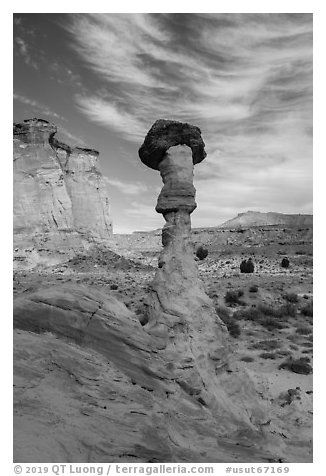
(251, 218)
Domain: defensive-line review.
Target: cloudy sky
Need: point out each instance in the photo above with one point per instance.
(244, 79)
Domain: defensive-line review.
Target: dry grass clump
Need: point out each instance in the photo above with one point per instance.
(231, 323)
(291, 297)
(269, 317)
(307, 344)
(275, 355)
(298, 366)
(266, 345)
(283, 353)
(269, 355)
(285, 310)
(253, 288)
(293, 347)
(307, 310)
(303, 331)
(247, 358)
(233, 297)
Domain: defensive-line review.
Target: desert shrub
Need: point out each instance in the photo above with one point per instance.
(287, 310)
(247, 358)
(143, 318)
(201, 252)
(283, 353)
(232, 297)
(298, 366)
(285, 263)
(233, 328)
(266, 345)
(307, 310)
(223, 312)
(293, 338)
(250, 314)
(293, 347)
(230, 322)
(247, 266)
(253, 288)
(268, 355)
(271, 323)
(303, 331)
(291, 297)
(266, 316)
(268, 310)
(114, 287)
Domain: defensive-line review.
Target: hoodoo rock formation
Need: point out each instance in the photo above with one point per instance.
(177, 298)
(180, 315)
(59, 193)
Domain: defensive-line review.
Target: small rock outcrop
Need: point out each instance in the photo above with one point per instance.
(59, 193)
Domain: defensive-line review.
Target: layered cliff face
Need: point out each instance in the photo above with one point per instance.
(59, 192)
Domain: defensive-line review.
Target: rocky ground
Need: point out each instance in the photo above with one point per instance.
(269, 317)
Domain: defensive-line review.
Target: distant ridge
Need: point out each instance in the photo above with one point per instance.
(251, 218)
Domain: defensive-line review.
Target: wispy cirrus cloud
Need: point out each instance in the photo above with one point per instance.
(72, 139)
(128, 188)
(37, 106)
(244, 79)
(25, 51)
(111, 115)
(22, 42)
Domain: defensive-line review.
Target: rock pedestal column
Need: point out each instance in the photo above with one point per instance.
(180, 315)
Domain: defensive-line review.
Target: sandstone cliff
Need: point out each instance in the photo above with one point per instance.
(59, 192)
